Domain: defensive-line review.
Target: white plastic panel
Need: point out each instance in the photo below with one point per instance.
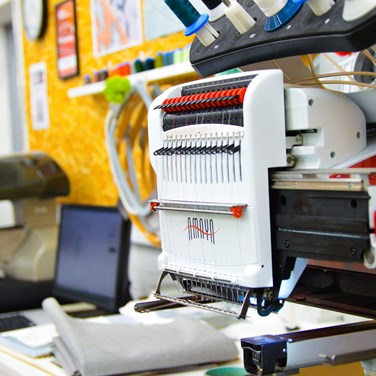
(234, 249)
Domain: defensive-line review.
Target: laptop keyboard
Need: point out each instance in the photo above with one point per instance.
(13, 321)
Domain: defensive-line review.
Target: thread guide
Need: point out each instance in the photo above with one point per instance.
(306, 33)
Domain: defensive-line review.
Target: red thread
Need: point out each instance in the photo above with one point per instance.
(185, 105)
(200, 230)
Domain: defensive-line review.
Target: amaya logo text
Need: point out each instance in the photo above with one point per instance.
(200, 228)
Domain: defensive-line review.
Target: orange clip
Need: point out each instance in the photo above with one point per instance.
(237, 211)
(153, 205)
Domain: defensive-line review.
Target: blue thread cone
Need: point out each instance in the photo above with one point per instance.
(290, 10)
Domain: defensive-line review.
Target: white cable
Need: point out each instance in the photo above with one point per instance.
(114, 160)
(128, 198)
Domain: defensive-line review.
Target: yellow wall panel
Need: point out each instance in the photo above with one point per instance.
(75, 138)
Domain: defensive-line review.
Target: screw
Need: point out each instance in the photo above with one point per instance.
(352, 251)
(287, 244)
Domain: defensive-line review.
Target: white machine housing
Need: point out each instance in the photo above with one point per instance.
(214, 208)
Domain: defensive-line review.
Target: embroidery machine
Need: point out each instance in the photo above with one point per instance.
(254, 188)
(266, 191)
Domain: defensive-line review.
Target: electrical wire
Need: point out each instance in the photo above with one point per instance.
(370, 56)
(338, 82)
(322, 79)
(335, 74)
(313, 70)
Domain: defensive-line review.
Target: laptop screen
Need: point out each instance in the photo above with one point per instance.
(92, 259)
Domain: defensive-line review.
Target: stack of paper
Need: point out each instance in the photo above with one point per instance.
(35, 341)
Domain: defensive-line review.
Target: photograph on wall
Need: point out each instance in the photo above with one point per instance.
(160, 20)
(66, 39)
(40, 117)
(116, 25)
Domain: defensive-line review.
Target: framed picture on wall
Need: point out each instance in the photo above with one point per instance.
(66, 39)
(116, 25)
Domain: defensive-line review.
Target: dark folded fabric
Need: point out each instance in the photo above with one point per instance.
(98, 349)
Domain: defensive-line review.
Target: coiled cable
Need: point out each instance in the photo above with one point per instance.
(126, 134)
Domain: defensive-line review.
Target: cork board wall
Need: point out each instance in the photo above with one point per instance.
(75, 137)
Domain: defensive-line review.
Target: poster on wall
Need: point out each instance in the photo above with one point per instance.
(66, 39)
(116, 25)
(160, 20)
(40, 117)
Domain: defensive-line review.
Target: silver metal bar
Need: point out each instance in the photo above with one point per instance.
(336, 360)
(351, 179)
(197, 207)
(198, 204)
(327, 171)
(326, 345)
(180, 209)
(353, 185)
